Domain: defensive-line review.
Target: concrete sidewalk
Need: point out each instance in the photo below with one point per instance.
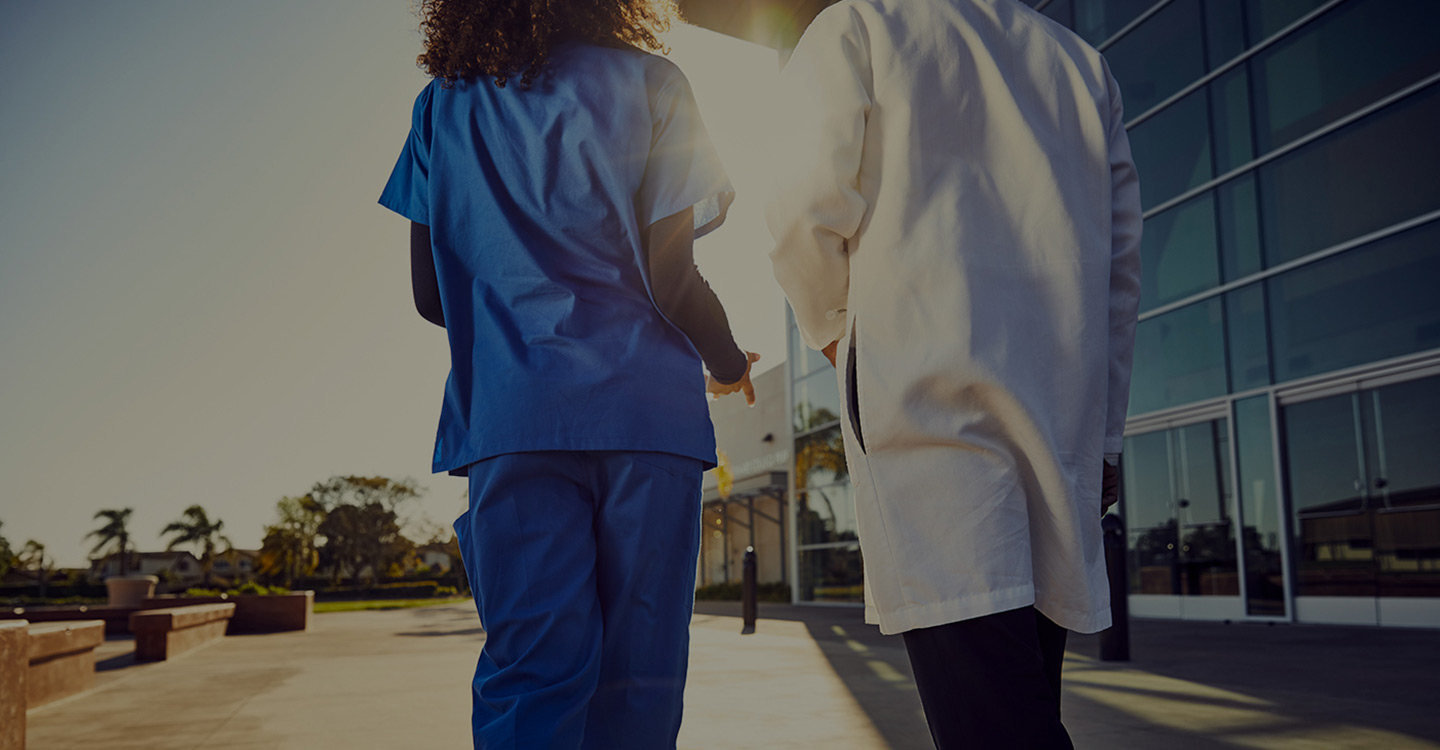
(810, 677)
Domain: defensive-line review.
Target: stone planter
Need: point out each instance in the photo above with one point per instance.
(129, 591)
(271, 613)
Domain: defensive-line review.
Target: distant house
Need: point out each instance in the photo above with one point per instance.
(236, 566)
(182, 567)
(435, 556)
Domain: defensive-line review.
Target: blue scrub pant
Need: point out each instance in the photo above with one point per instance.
(583, 568)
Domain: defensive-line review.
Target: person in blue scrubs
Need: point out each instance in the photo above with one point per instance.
(556, 175)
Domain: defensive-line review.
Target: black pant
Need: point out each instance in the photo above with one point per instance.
(992, 683)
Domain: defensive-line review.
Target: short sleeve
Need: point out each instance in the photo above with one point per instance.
(682, 170)
(408, 191)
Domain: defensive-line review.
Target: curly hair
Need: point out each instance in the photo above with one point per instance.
(500, 39)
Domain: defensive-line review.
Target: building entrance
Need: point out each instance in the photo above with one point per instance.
(1178, 510)
(1363, 472)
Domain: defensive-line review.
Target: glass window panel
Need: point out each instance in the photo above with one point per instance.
(1207, 538)
(1405, 422)
(820, 459)
(1230, 104)
(1224, 31)
(1239, 228)
(1367, 176)
(817, 400)
(1259, 508)
(1150, 515)
(1334, 535)
(1060, 11)
(1249, 345)
(1179, 358)
(1172, 150)
(1367, 304)
(1347, 58)
(1177, 253)
(1098, 20)
(1160, 57)
(1269, 16)
(826, 514)
(832, 575)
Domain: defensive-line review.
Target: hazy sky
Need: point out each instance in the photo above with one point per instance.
(201, 302)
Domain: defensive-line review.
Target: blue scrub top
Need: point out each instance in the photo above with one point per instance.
(536, 200)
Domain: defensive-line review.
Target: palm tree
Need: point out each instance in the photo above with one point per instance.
(113, 532)
(195, 527)
(32, 557)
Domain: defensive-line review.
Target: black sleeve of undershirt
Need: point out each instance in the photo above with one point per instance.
(686, 299)
(423, 280)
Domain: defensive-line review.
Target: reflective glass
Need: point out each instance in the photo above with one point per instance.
(1259, 508)
(1150, 515)
(1353, 55)
(1179, 358)
(1403, 442)
(1172, 150)
(820, 459)
(1098, 20)
(1230, 105)
(1334, 535)
(1224, 31)
(1239, 228)
(1060, 11)
(1157, 59)
(1249, 345)
(1269, 16)
(1201, 455)
(1367, 176)
(817, 400)
(1367, 304)
(1177, 253)
(832, 575)
(826, 514)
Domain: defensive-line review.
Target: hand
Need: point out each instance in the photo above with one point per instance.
(830, 352)
(718, 389)
(1109, 487)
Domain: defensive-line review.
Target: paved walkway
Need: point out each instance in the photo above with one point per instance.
(810, 677)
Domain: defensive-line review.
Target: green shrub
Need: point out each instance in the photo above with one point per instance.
(446, 591)
(765, 592)
(252, 588)
(203, 592)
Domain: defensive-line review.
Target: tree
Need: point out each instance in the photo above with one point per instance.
(113, 534)
(361, 536)
(196, 528)
(32, 558)
(288, 551)
(362, 526)
(7, 556)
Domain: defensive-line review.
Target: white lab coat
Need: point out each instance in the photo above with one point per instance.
(957, 201)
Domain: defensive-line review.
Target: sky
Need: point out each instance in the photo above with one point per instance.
(201, 302)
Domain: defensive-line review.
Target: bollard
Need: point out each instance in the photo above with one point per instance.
(1115, 642)
(747, 593)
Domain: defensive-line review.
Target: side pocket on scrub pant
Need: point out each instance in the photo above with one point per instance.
(852, 388)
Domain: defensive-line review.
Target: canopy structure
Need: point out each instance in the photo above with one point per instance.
(773, 23)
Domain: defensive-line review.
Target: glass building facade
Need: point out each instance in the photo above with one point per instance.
(1282, 457)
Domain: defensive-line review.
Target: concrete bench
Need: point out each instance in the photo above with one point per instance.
(163, 633)
(14, 668)
(62, 659)
(117, 619)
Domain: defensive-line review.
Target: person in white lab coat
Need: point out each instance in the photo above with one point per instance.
(957, 220)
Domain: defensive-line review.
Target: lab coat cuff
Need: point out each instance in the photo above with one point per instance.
(1113, 444)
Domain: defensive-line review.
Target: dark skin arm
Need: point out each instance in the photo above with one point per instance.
(423, 280)
(687, 300)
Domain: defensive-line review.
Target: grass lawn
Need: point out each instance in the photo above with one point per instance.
(384, 604)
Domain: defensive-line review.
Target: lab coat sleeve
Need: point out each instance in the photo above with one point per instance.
(1125, 230)
(815, 205)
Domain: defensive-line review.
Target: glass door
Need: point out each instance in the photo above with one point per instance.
(1177, 502)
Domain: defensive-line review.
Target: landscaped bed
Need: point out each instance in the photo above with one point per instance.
(355, 606)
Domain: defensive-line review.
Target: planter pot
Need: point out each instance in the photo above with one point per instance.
(129, 591)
